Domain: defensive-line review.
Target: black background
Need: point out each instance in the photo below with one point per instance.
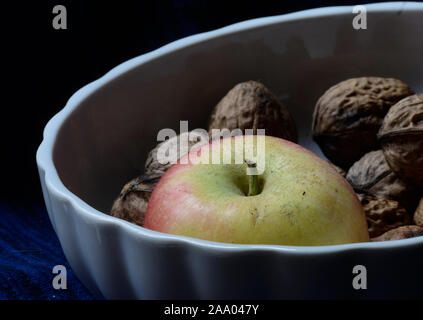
(42, 67)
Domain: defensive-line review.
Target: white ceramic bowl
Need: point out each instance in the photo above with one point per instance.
(100, 140)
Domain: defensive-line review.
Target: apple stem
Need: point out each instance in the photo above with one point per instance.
(253, 186)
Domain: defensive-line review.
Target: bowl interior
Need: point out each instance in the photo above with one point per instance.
(103, 143)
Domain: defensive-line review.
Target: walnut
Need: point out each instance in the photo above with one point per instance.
(383, 214)
(348, 116)
(132, 202)
(418, 215)
(404, 232)
(373, 176)
(250, 105)
(401, 137)
(173, 146)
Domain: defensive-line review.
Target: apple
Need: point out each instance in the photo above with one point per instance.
(299, 199)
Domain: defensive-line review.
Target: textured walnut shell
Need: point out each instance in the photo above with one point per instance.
(250, 105)
(194, 138)
(373, 176)
(418, 215)
(401, 137)
(132, 202)
(404, 232)
(383, 215)
(348, 116)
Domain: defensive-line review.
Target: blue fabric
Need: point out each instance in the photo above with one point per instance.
(29, 249)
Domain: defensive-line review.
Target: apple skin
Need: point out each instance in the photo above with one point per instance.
(303, 201)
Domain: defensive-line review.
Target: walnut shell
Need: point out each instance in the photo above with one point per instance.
(250, 105)
(383, 215)
(404, 232)
(348, 116)
(373, 176)
(418, 215)
(401, 137)
(194, 138)
(132, 202)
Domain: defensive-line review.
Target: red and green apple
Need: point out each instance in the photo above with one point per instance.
(298, 199)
